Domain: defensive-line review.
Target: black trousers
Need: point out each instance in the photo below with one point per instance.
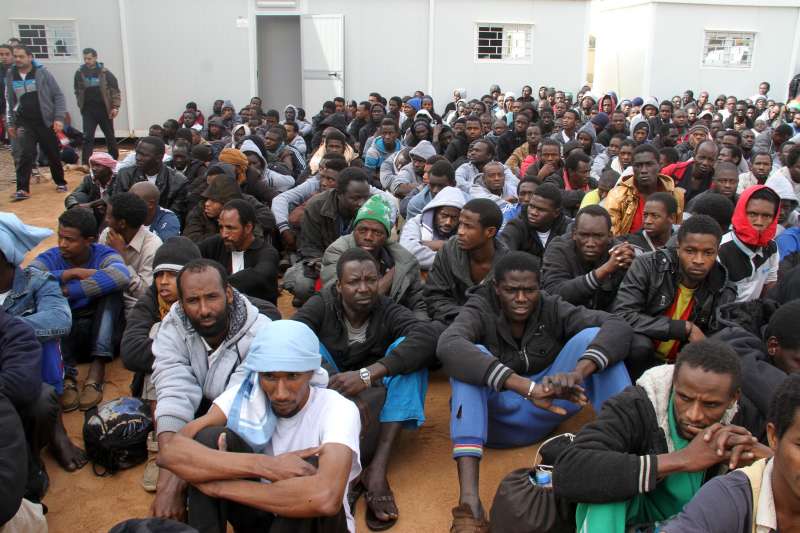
(94, 116)
(29, 134)
(38, 420)
(211, 515)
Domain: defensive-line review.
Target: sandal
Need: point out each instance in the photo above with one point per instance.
(354, 493)
(69, 398)
(373, 523)
(91, 395)
(465, 522)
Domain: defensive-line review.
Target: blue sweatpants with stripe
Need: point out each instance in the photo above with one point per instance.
(481, 416)
(405, 393)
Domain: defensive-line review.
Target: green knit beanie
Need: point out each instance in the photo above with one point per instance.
(376, 209)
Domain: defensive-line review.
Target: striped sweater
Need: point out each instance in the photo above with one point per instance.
(111, 274)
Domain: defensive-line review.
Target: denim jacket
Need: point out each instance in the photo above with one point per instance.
(36, 298)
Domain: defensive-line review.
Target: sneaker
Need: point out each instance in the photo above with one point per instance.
(20, 195)
(61, 188)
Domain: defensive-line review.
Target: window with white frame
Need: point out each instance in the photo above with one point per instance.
(503, 43)
(49, 40)
(728, 49)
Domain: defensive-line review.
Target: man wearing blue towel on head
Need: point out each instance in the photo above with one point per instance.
(284, 426)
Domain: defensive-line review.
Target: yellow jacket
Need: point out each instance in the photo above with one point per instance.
(622, 201)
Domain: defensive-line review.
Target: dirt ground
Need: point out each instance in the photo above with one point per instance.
(422, 472)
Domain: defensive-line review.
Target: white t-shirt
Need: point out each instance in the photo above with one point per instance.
(327, 417)
(237, 262)
(3, 296)
(152, 179)
(543, 236)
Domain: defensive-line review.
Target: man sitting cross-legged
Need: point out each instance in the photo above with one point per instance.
(510, 352)
(763, 497)
(368, 341)
(263, 427)
(467, 259)
(652, 446)
(198, 348)
(93, 277)
(671, 296)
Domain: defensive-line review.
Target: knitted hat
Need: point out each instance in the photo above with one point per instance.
(600, 119)
(636, 102)
(376, 209)
(699, 127)
(173, 255)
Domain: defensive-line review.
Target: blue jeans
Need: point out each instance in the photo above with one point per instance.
(95, 330)
(480, 416)
(405, 393)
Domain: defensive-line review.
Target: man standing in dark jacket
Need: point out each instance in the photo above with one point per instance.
(99, 98)
(511, 351)
(150, 167)
(251, 262)
(466, 260)
(368, 340)
(655, 444)
(672, 295)
(328, 216)
(538, 223)
(35, 111)
(584, 268)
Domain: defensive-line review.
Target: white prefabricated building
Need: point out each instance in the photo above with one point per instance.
(168, 52)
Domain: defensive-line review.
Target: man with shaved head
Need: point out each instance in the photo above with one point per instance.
(160, 220)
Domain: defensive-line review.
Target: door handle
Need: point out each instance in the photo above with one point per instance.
(333, 75)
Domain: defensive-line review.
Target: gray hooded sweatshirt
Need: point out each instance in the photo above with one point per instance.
(423, 226)
(185, 371)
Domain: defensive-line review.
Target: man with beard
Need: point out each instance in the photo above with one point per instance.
(197, 352)
(268, 426)
(538, 224)
(653, 445)
(251, 262)
(426, 233)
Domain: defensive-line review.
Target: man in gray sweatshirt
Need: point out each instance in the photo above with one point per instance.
(35, 114)
(199, 347)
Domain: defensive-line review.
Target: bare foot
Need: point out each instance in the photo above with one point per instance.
(69, 456)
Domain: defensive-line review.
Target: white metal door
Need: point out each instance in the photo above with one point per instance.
(323, 60)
